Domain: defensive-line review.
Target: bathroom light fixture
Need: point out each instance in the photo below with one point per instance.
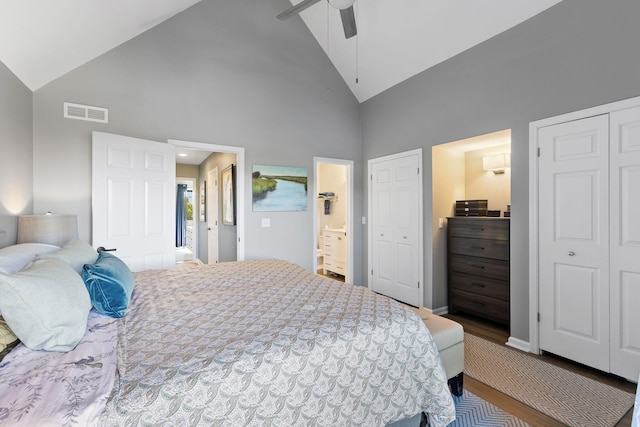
(496, 163)
(52, 229)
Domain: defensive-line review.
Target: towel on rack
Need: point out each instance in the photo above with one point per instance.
(327, 207)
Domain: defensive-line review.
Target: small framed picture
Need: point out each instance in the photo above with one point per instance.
(229, 196)
(203, 201)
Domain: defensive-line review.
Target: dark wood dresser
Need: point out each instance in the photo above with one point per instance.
(478, 266)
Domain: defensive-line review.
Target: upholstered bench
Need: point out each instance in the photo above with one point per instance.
(449, 338)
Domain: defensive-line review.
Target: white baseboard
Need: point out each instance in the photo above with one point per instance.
(440, 310)
(519, 344)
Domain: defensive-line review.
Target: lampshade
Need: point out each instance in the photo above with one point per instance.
(52, 229)
(496, 163)
(341, 4)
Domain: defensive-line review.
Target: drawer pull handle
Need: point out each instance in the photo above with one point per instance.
(477, 247)
(478, 285)
(571, 253)
(477, 266)
(478, 303)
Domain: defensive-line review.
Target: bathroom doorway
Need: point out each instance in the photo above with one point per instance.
(333, 218)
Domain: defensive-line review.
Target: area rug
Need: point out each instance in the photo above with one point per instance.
(472, 411)
(563, 395)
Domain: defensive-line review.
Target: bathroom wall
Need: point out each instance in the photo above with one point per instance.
(332, 178)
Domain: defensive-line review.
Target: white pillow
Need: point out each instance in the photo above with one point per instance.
(46, 305)
(13, 258)
(76, 253)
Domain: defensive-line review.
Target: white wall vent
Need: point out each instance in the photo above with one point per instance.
(86, 112)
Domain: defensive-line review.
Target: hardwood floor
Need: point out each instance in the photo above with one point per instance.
(499, 334)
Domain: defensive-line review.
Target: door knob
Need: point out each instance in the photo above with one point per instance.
(571, 253)
(209, 228)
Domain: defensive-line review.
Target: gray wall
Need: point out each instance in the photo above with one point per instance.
(225, 73)
(578, 54)
(16, 152)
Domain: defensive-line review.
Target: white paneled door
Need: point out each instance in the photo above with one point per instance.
(395, 211)
(574, 236)
(133, 200)
(625, 243)
(589, 241)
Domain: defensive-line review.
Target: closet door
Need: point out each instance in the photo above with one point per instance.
(625, 243)
(574, 240)
(395, 212)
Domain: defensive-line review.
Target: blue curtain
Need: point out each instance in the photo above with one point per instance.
(181, 216)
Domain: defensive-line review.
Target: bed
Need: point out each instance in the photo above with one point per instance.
(248, 343)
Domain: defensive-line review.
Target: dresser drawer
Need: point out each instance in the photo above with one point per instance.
(497, 249)
(484, 306)
(335, 266)
(480, 285)
(479, 228)
(484, 267)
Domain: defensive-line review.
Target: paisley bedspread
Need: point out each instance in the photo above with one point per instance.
(266, 343)
(42, 388)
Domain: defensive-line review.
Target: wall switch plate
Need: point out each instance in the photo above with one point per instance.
(440, 222)
(364, 220)
(3, 238)
(266, 222)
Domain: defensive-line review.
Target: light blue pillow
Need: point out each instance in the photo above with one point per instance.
(110, 284)
(76, 253)
(46, 305)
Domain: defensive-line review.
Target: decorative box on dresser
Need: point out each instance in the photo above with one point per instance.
(478, 266)
(334, 250)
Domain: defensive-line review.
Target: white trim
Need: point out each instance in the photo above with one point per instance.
(534, 127)
(518, 344)
(426, 284)
(441, 310)
(349, 220)
(240, 182)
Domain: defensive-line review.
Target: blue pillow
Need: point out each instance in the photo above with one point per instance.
(110, 284)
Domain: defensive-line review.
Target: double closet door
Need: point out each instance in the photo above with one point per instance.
(395, 226)
(589, 241)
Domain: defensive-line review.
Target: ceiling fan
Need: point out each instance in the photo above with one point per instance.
(346, 13)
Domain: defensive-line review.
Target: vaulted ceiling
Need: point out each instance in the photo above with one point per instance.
(41, 40)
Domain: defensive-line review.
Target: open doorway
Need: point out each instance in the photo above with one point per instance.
(458, 173)
(236, 233)
(333, 218)
(186, 237)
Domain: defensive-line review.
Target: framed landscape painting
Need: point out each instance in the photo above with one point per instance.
(279, 189)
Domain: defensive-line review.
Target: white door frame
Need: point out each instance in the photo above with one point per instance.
(426, 284)
(240, 179)
(349, 220)
(534, 338)
(212, 199)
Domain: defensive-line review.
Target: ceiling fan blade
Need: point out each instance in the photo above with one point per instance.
(296, 9)
(348, 22)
